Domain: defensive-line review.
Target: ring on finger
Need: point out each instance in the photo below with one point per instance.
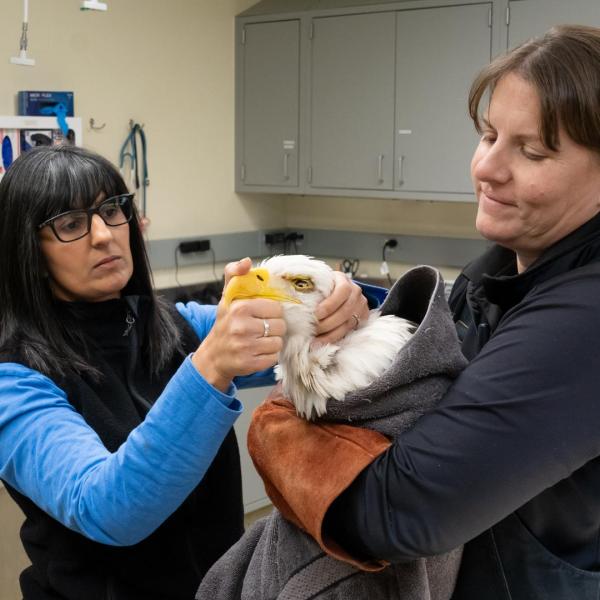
(266, 328)
(356, 319)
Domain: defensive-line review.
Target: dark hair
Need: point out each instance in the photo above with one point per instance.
(564, 67)
(40, 184)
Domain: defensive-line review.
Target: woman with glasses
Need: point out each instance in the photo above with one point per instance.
(116, 410)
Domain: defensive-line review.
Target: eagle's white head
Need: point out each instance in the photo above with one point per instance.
(311, 376)
(299, 281)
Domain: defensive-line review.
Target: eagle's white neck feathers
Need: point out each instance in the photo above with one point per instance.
(312, 375)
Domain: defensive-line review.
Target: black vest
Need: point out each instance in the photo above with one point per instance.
(170, 563)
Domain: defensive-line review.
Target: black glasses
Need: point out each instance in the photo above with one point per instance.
(75, 224)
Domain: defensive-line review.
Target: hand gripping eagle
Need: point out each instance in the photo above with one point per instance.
(311, 374)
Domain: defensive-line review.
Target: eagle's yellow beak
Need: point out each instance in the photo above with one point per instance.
(255, 284)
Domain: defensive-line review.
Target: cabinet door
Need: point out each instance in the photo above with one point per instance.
(439, 51)
(352, 102)
(253, 489)
(270, 99)
(529, 18)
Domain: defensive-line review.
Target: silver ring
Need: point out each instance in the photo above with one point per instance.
(266, 328)
(357, 319)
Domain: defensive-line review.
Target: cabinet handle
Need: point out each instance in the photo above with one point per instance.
(401, 169)
(286, 158)
(380, 168)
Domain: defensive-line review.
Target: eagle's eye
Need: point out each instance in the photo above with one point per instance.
(303, 284)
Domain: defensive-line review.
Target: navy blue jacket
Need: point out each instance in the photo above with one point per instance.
(508, 461)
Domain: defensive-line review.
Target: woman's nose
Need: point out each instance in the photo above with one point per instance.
(100, 232)
(490, 164)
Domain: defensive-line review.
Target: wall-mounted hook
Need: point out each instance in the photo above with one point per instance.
(96, 127)
(132, 123)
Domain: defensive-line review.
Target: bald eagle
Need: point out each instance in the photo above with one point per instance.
(311, 374)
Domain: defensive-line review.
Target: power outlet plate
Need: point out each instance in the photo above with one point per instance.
(194, 246)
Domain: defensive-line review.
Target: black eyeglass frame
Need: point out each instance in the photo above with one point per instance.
(90, 212)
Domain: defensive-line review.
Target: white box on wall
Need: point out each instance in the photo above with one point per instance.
(14, 128)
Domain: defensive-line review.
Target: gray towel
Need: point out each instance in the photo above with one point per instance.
(274, 559)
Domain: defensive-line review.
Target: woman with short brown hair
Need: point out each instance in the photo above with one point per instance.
(508, 463)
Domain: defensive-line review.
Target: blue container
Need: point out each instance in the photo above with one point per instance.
(32, 103)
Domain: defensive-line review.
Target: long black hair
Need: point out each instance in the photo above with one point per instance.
(39, 185)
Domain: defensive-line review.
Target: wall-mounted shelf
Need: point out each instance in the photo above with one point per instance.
(13, 125)
(15, 122)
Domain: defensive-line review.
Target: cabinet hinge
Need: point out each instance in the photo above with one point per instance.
(311, 31)
(309, 175)
(243, 36)
(243, 173)
(508, 15)
(490, 17)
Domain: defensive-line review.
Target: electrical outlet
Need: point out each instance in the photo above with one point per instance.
(194, 246)
(274, 238)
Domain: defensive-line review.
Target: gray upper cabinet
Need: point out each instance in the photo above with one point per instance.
(528, 18)
(369, 97)
(268, 104)
(352, 102)
(438, 53)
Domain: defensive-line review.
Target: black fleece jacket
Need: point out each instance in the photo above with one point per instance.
(168, 564)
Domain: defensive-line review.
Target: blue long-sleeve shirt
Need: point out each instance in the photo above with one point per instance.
(51, 455)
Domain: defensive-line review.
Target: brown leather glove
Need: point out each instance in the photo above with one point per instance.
(305, 465)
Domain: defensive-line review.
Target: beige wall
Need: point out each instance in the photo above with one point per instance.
(167, 64)
(407, 217)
